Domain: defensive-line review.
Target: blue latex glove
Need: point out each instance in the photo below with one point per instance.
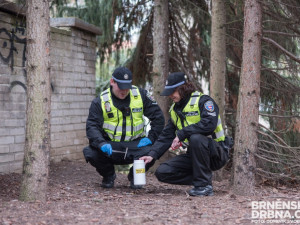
(107, 149)
(144, 142)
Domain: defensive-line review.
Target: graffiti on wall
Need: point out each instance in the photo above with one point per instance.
(8, 41)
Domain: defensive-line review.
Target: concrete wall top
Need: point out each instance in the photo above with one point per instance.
(76, 23)
(13, 8)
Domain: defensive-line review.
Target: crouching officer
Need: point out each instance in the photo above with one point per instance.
(115, 127)
(195, 123)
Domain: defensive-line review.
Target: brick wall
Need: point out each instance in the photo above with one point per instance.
(73, 55)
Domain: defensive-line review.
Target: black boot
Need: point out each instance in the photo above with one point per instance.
(202, 191)
(108, 182)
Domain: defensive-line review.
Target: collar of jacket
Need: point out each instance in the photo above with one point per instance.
(182, 103)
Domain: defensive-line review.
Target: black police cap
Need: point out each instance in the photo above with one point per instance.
(173, 81)
(123, 77)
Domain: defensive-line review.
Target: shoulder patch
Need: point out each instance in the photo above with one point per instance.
(209, 106)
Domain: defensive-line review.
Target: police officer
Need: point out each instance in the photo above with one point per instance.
(115, 127)
(195, 124)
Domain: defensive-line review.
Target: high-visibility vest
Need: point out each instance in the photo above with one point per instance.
(191, 113)
(113, 117)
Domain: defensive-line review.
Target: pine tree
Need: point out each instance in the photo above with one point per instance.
(161, 53)
(218, 60)
(248, 104)
(37, 137)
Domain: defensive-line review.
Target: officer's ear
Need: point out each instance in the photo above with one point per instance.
(112, 81)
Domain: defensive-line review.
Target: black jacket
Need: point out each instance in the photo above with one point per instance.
(206, 126)
(97, 136)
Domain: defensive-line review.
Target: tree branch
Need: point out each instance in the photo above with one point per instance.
(287, 24)
(280, 33)
(274, 43)
(278, 116)
(276, 136)
(181, 66)
(287, 84)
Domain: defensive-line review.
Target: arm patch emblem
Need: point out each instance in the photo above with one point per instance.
(209, 106)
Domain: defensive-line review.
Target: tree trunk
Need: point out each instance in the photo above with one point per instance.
(218, 61)
(248, 103)
(37, 137)
(218, 55)
(161, 59)
(161, 53)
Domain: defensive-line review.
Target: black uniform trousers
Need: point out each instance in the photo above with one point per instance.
(195, 167)
(104, 164)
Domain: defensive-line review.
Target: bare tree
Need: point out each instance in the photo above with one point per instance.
(37, 138)
(218, 60)
(161, 53)
(246, 139)
(218, 55)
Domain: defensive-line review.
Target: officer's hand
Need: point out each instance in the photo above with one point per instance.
(144, 142)
(176, 143)
(107, 149)
(147, 159)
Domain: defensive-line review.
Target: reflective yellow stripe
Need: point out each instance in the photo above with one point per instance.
(219, 121)
(105, 96)
(219, 132)
(119, 128)
(194, 98)
(112, 127)
(117, 138)
(134, 92)
(139, 127)
(127, 138)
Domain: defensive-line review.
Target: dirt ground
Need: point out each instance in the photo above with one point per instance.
(75, 197)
